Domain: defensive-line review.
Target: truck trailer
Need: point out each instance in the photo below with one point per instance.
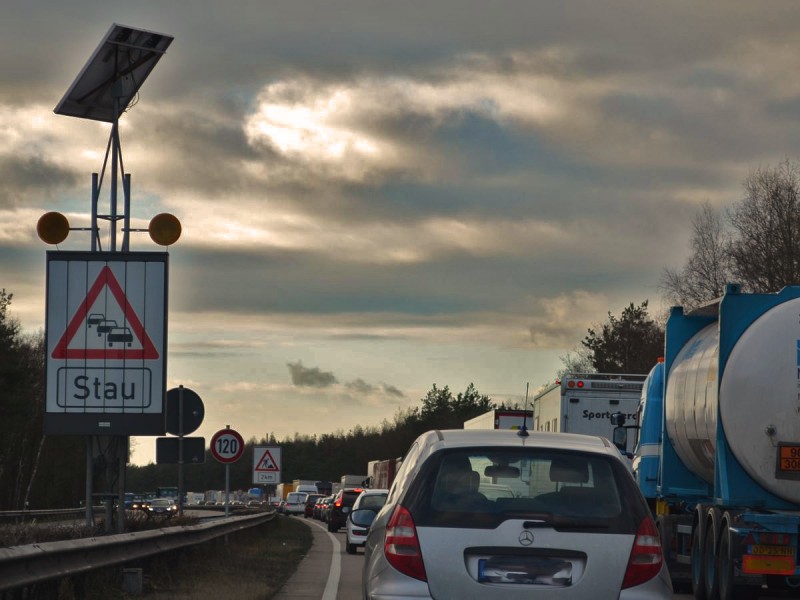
(718, 454)
(584, 403)
(382, 472)
(501, 419)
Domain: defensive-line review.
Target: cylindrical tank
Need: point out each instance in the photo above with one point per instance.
(758, 398)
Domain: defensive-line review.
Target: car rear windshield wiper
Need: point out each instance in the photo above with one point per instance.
(560, 522)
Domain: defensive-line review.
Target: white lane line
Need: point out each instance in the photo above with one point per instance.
(332, 585)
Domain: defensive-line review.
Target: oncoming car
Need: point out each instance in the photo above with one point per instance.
(163, 507)
(360, 517)
(575, 526)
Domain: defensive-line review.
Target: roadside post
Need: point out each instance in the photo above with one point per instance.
(106, 310)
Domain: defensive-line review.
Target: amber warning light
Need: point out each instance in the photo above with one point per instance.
(164, 229)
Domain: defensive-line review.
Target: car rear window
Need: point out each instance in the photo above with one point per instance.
(483, 487)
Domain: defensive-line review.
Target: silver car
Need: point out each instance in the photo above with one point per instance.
(360, 517)
(561, 517)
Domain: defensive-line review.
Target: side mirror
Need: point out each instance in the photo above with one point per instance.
(363, 517)
(621, 438)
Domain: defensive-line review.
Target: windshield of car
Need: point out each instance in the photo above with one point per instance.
(372, 501)
(161, 502)
(485, 486)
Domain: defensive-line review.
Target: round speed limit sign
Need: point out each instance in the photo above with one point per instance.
(227, 446)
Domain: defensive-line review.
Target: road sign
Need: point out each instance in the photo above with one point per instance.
(192, 411)
(106, 335)
(267, 464)
(168, 450)
(227, 446)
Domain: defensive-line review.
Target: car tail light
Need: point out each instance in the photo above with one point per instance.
(338, 503)
(646, 557)
(401, 545)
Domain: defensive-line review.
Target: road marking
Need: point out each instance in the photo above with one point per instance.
(332, 585)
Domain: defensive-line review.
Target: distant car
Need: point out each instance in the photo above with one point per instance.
(295, 503)
(105, 326)
(311, 501)
(254, 503)
(164, 507)
(577, 526)
(119, 334)
(340, 507)
(95, 319)
(367, 505)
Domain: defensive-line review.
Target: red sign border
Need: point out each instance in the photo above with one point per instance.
(218, 435)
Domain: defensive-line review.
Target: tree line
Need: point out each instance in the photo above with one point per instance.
(754, 242)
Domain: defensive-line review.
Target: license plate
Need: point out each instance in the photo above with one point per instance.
(768, 565)
(764, 550)
(789, 458)
(525, 570)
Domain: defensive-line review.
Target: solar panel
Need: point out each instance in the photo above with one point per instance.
(114, 73)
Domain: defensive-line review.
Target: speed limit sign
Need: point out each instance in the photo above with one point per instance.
(227, 446)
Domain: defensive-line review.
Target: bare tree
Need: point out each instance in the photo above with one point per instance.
(709, 267)
(766, 248)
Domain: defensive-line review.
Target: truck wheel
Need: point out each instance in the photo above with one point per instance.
(728, 590)
(698, 573)
(710, 554)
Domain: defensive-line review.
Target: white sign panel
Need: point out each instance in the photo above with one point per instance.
(267, 464)
(106, 343)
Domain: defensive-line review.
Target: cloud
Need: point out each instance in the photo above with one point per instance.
(310, 377)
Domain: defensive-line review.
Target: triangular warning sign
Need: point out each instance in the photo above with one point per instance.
(112, 338)
(266, 463)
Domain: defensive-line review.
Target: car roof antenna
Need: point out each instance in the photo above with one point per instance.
(523, 431)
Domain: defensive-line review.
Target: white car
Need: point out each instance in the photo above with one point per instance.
(360, 517)
(576, 526)
(295, 503)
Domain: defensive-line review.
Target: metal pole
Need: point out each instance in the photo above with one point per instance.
(114, 159)
(89, 482)
(126, 220)
(95, 195)
(227, 488)
(180, 450)
(122, 457)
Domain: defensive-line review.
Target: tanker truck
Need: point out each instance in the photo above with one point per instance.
(718, 449)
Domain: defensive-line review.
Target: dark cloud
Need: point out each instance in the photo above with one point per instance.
(28, 180)
(392, 391)
(310, 376)
(359, 386)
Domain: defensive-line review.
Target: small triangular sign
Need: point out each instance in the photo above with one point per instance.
(119, 334)
(266, 462)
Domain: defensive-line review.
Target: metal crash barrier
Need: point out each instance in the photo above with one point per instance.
(25, 565)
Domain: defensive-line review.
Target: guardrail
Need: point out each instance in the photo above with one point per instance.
(53, 513)
(22, 566)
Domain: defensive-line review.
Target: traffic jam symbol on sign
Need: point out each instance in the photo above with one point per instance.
(115, 325)
(104, 361)
(266, 464)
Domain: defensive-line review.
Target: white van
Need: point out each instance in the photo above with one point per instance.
(295, 503)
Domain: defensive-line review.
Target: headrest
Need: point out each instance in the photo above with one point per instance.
(569, 470)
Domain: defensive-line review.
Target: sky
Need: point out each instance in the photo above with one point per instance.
(377, 197)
